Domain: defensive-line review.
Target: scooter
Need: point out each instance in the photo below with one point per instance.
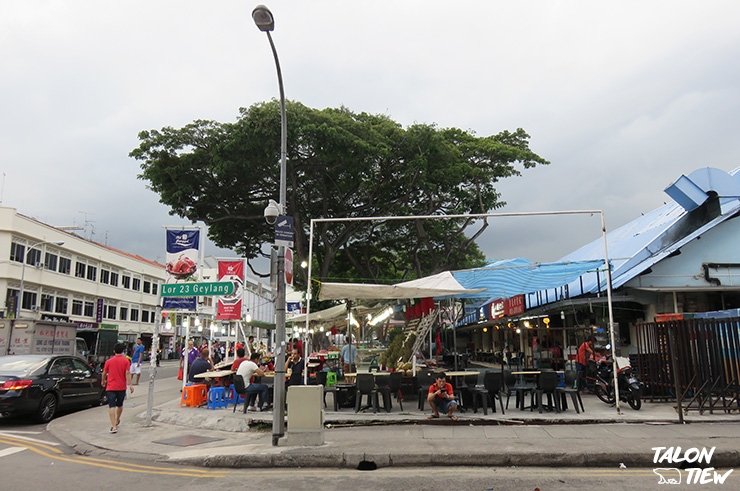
(630, 387)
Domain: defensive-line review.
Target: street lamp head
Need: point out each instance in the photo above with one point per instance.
(58, 242)
(272, 211)
(263, 18)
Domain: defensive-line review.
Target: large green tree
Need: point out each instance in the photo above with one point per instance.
(340, 164)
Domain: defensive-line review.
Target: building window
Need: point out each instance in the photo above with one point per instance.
(29, 300)
(136, 285)
(89, 309)
(65, 265)
(135, 315)
(123, 314)
(145, 316)
(16, 252)
(110, 312)
(104, 276)
(34, 257)
(50, 262)
(61, 305)
(47, 303)
(92, 273)
(154, 288)
(113, 279)
(152, 317)
(147, 286)
(76, 307)
(80, 269)
(126, 282)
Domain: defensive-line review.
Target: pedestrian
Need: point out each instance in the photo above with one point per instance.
(116, 376)
(585, 353)
(350, 356)
(136, 358)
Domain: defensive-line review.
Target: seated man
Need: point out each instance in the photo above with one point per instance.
(441, 398)
(294, 366)
(241, 359)
(247, 370)
(201, 365)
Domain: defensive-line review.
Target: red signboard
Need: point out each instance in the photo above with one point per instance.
(230, 306)
(497, 309)
(514, 305)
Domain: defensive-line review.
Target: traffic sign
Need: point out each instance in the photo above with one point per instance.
(191, 289)
(288, 267)
(284, 231)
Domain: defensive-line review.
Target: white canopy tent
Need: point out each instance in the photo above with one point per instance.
(438, 285)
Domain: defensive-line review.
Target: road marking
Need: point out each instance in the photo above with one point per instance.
(9, 434)
(10, 451)
(22, 432)
(139, 469)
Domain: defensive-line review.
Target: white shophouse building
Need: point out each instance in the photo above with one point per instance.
(90, 284)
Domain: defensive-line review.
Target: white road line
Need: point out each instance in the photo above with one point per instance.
(11, 451)
(23, 432)
(10, 434)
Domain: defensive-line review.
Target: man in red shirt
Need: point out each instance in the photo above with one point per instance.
(116, 376)
(441, 398)
(585, 353)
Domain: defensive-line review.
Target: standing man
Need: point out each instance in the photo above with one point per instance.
(441, 398)
(116, 376)
(250, 346)
(136, 358)
(350, 356)
(585, 353)
(193, 354)
(295, 367)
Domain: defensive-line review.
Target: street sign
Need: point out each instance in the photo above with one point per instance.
(284, 231)
(288, 267)
(191, 289)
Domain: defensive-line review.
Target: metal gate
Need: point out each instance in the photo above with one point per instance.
(695, 362)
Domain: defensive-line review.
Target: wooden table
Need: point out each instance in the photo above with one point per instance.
(223, 364)
(215, 374)
(361, 373)
(462, 373)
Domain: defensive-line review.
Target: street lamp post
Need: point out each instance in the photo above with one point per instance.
(23, 272)
(265, 22)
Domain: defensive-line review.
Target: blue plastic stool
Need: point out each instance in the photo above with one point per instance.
(217, 398)
(232, 397)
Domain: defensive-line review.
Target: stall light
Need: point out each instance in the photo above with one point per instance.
(233, 332)
(382, 316)
(328, 334)
(526, 324)
(546, 320)
(321, 328)
(168, 324)
(485, 329)
(248, 317)
(200, 328)
(518, 331)
(223, 330)
(353, 321)
(311, 332)
(186, 322)
(213, 326)
(197, 322)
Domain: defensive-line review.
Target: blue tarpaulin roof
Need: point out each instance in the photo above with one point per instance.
(509, 277)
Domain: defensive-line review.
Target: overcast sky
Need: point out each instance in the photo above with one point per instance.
(622, 97)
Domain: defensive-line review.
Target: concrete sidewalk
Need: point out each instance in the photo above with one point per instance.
(598, 437)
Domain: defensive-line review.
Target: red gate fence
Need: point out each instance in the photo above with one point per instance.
(695, 362)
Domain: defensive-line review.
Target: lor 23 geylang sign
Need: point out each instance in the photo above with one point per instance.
(230, 306)
(182, 264)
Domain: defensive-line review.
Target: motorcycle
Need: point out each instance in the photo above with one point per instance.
(630, 387)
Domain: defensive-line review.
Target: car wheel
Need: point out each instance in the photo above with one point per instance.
(103, 398)
(47, 408)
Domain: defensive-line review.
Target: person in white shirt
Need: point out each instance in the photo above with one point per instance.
(247, 370)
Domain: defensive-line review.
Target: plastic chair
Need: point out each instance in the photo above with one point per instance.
(394, 385)
(331, 379)
(520, 390)
(217, 398)
(241, 389)
(547, 383)
(366, 386)
(322, 379)
(491, 390)
(470, 385)
(193, 395)
(569, 388)
(233, 397)
(425, 378)
(383, 387)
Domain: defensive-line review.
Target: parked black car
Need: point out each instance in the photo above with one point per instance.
(39, 385)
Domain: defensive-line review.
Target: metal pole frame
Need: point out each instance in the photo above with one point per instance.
(482, 215)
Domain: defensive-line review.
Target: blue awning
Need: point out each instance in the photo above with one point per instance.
(509, 277)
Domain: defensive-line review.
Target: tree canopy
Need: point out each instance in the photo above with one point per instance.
(340, 164)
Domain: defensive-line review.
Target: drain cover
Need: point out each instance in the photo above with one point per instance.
(187, 440)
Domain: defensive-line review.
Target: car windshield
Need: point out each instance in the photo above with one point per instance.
(19, 365)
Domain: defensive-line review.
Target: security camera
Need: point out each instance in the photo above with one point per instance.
(271, 212)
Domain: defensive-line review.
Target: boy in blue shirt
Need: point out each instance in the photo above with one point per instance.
(136, 358)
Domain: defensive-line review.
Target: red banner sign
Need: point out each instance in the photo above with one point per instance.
(497, 309)
(514, 305)
(230, 306)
